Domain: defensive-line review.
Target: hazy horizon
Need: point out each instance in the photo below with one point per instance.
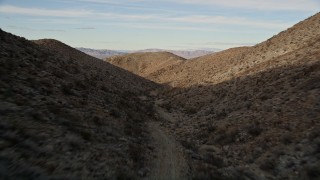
(159, 24)
(135, 50)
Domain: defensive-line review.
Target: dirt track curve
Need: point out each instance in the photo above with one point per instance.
(170, 162)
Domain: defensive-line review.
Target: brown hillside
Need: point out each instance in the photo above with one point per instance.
(66, 115)
(243, 113)
(145, 63)
(228, 64)
(197, 70)
(263, 122)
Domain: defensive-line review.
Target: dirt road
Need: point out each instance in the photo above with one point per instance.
(170, 162)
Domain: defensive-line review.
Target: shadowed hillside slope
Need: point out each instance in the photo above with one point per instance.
(243, 113)
(132, 81)
(263, 122)
(231, 63)
(145, 63)
(67, 115)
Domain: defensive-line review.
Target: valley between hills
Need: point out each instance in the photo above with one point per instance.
(242, 113)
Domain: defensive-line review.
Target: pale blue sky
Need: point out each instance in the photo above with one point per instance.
(141, 24)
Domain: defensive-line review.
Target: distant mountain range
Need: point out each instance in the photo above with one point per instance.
(187, 54)
(101, 53)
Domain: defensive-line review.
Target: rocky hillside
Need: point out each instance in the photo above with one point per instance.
(262, 125)
(199, 70)
(66, 115)
(243, 113)
(256, 113)
(225, 65)
(144, 63)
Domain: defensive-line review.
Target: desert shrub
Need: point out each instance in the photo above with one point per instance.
(203, 135)
(314, 134)
(46, 86)
(71, 115)
(167, 106)
(214, 160)
(115, 113)
(36, 115)
(136, 153)
(221, 115)
(204, 171)
(149, 108)
(59, 73)
(312, 171)
(123, 173)
(264, 97)
(8, 93)
(132, 128)
(21, 100)
(191, 110)
(286, 139)
(255, 130)
(189, 145)
(74, 69)
(3, 71)
(268, 164)
(79, 84)
(211, 128)
(67, 89)
(104, 88)
(86, 135)
(226, 136)
(97, 120)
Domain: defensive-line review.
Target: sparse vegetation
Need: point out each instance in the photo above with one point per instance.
(61, 115)
(243, 113)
